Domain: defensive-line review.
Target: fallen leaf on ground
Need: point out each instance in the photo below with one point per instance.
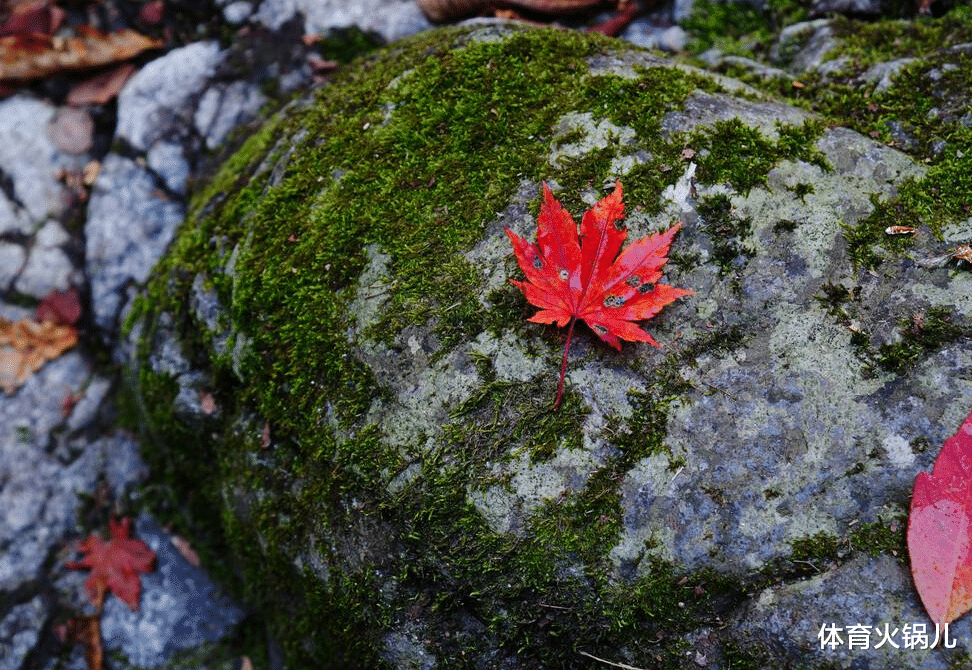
(115, 565)
(33, 56)
(63, 308)
(616, 25)
(86, 631)
(100, 89)
(152, 12)
(571, 278)
(183, 546)
(36, 16)
(26, 345)
(939, 530)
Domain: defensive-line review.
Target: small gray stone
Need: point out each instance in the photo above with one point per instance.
(47, 268)
(30, 159)
(180, 607)
(237, 12)
(222, 108)
(161, 93)
(52, 235)
(39, 490)
(123, 465)
(12, 258)
(129, 226)
(681, 10)
(802, 46)
(19, 632)
(673, 39)
(87, 404)
(168, 160)
(13, 217)
(881, 74)
(859, 7)
(392, 19)
(646, 34)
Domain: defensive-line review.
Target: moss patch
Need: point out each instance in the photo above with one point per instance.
(340, 537)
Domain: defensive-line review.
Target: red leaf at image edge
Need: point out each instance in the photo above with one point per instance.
(939, 530)
(571, 277)
(115, 565)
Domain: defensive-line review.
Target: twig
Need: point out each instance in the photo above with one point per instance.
(616, 665)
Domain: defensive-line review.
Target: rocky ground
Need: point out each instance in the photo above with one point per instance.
(64, 465)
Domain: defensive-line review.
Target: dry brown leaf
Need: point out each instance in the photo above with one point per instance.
(102, 88)
(183, 546)
(207, 402)
(26, 345)
(24, 57)
(90, 173)
(33, 16)
(86, 630)
(152, 12)
(61, 307)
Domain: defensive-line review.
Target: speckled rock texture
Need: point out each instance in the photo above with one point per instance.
(341, 347)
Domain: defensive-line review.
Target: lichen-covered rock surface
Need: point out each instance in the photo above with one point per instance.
(342, 381)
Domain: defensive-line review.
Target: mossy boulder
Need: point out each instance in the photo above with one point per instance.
(339, 377)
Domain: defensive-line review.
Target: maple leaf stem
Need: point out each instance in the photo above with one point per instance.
(563, 365)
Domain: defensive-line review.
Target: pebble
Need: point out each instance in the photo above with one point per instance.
(30, 160)
(130, 223)
(157, 100)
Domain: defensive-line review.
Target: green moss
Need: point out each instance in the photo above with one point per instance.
(740, 28)
(837, 297)
(742, 156)
(726, 231)
(501, 418)
(923, 333)
(382, 159)
(919, 114)
(872, 538)
(345, 44)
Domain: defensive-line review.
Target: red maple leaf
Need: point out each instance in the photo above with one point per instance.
(115, 565)
(940, 530)
(585, 278)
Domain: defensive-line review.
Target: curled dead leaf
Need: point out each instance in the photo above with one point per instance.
(63, 308)
(86, 631)
(100, 89)
(24, 57)
(26, 345)
(34, 16)
(207, 402)
(90, 173)
(183, 546)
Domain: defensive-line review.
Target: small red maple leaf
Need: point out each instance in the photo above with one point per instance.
(585, 278)
(115, 565)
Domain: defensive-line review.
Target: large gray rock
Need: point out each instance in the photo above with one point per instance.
(392, 19)
(354, 387)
